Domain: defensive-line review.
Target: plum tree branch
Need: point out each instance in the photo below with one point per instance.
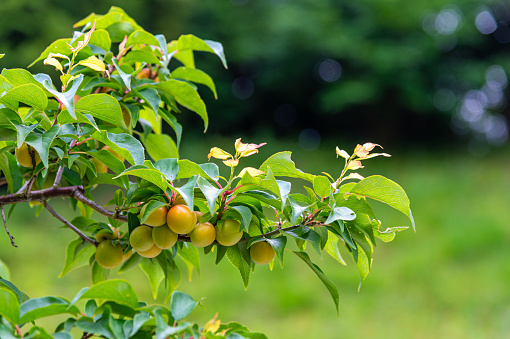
(6, 229)
(68, 224)
(76, 192)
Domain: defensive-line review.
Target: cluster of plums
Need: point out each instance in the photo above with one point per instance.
(161, 231)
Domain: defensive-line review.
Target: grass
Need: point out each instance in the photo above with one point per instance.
(448, 280)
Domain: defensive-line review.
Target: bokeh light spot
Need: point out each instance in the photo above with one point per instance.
(285, 115)
(485, 22)
(243, 88)
(309, 139)
(329, 70)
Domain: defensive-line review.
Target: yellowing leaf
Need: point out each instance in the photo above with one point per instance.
(342, 153)
(53, 62)
(58, 55)
(231, 162)
(212, 325)
(93, 63)
(86, 39)
(218, 153)
(253, 172)
(354, 176)
(362, 151)
(378, 154)
(354, 165)
(245, 150)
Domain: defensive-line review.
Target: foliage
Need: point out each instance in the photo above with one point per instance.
(119, 315)
(117, 88)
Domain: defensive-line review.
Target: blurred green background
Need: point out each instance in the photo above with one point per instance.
(426, 79)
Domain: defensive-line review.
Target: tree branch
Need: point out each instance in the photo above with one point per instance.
(6, 229)
(75, 192)
(58, 177)
(68, 224)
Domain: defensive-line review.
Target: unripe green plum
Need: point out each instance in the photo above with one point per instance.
(164, 237)
(24, 158)
(157, 217)
(199, 215)
(180, 219)
(141, 238)
(227, 232)
(203, 234)
(261, 253)
(109, 255)
(103, 235)
(154, 251)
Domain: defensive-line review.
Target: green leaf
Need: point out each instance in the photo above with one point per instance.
(332, 247)
(210, 192)
(77, 255)
(99, 273)
(188, 169)
(187, 191)
(102, 106)
(284, 188)
(278, 244)
(340, 213)
(389, 192)
(29, 94)
(246, 216)
(322, 186)
(100, 38)
(190, 255)
(185, 95)
(19, 76)
(236, 259)
(141, 56)
(141, 37)
(297, 210)
(11, 171)
(160, 146)
(152, 97)
(325, 280)
(191, 42)
(42, 142)
(196, 76)
(138, 321)
(126, 77)
(65, 98)
(4, 271)
(169, 168)
(36, 308)
(9, 305)
(154, 273)
(149, 174)
(124, 144)
(389, 234)
(281, 165)
(181, 305)
(107, 158)
(59, 46)
(119, 291)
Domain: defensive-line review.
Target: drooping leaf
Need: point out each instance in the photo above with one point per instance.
(278, 244)
(77, 255)
(185, 95)
(169, 168)
(196, 76)
(193, 43)
(154, 273)
(189, 254)
(236, 259)
(9, 305)
(65, 98)
(332, 248)
(246, 216)
(99, 273)
(187, 190)
(325, 280)
(210, 192)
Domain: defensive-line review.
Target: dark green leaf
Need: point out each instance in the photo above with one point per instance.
(246, 216)
(236, 259)
(278, 245)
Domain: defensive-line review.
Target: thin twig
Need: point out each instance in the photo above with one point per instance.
(58, 177)
(6, 229)
(68, 224)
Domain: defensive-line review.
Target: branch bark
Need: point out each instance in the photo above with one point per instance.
(68, 224)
